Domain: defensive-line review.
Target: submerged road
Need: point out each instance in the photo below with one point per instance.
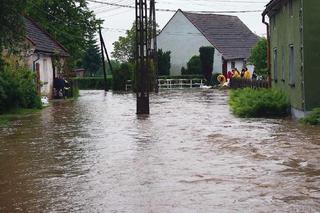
(190, 155)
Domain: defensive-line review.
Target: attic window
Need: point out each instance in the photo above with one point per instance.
(273, 22)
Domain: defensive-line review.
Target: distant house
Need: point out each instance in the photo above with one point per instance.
(295, 51)
(186, 32)
(42, 48)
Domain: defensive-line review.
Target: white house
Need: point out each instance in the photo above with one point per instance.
(186, 32)
(39, 57)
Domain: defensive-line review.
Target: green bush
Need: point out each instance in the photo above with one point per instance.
(92, 83)
(121, 75)
(17, 89)
(206, 58)
(193, 66)
(164, 62)
(258, 102)
(313, 118)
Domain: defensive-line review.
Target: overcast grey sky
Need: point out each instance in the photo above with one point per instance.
(117, 19)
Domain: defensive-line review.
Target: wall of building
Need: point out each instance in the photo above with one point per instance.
(285, 31)
(311, 28)
(46, 73)
(183, 39)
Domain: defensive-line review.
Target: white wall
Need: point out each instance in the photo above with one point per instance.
(46, 72)
(183, 39)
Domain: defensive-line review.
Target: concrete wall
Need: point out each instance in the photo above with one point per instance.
(285, 30)
(311, 28)
(183, 39)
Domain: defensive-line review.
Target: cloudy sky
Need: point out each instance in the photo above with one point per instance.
(118, 19)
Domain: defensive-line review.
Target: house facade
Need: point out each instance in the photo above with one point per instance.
(42, 53)
(295, 50)
(186, 32)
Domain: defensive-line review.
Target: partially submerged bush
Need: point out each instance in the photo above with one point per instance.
(313, 118)
(17, 88)
(259, 102)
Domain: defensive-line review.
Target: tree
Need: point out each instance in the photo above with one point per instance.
(259, 57)
(164, 62)
(92, 59)
(206, 58)
(69, 21)
(11, 24)
(193, 66)
(124, 48)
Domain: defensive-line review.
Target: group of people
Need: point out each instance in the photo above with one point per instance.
(235, 73)
(61, 87)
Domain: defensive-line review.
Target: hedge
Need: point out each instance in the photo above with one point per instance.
(92, 83)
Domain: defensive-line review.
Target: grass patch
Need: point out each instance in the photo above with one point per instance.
(6, 118)
(248, 103)
(313, 118)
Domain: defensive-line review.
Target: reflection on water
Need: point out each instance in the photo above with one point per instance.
(189, 155)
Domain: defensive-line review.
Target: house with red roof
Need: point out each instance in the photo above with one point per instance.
(186, 32)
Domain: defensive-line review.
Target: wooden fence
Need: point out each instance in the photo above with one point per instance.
(238, 83)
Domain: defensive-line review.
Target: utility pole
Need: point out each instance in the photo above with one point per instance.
(153, 53)
(103, 62)
(141, 57)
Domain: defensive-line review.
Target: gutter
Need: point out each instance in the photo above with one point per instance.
(268, 48)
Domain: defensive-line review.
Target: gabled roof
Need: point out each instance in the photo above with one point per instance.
(272, 7)
(42, 41)
(226, 33)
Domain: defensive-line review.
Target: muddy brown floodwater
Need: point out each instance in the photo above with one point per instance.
(190, 155)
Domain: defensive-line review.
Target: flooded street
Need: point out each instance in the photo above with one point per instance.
(190, 155)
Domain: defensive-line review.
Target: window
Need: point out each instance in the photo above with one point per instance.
(292, 75)
(290, 8)
(233, 64)
(283, 65)
(275, 64)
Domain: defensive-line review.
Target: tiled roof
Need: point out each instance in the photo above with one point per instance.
(226, 33)
(42, 40)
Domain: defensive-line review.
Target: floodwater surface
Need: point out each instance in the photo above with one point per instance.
(190, 155)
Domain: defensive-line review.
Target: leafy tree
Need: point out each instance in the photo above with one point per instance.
(259, 57)
(69, 21)
(164, 62)
(124, 48)
(121, 75)
(206, 58)
(11, 24)
(193, 66)
(92, 58)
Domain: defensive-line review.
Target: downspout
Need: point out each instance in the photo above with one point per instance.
(34, 62)
(268, 48)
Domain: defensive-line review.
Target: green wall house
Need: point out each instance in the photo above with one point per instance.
(294, 45)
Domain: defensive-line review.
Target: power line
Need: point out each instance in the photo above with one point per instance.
(171, 10)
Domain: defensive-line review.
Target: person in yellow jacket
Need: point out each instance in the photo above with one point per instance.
(236, 73)
(247, 74)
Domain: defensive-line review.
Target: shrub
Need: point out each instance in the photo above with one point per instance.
(164, 62)
(94, 83)
(206, 58)
(258, 102)
(313, 118)
(121, 75)
(193, 66)
(17, 88)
